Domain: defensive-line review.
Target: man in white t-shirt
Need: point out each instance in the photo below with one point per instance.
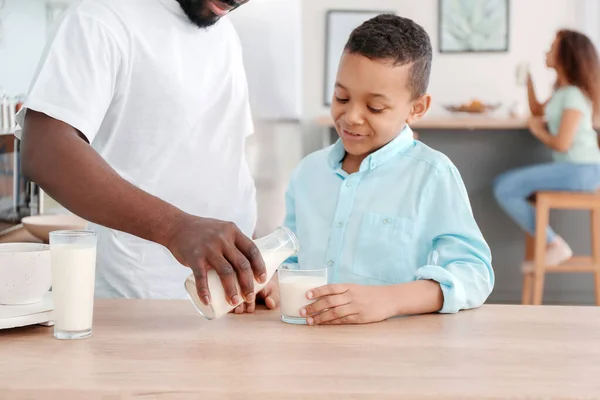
(136, 120)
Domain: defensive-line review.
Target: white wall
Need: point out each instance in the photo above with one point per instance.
(22, 43)
(589, 14)
(271, 35)
(455, 78)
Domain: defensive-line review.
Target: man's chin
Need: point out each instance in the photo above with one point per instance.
(207, 23)
(200, 15)
(204, 22)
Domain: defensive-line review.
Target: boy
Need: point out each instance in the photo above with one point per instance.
(387, 215)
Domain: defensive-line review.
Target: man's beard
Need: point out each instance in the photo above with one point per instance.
(200, 14)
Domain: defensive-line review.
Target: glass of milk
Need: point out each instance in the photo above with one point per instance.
(73, 261)
(294, 283)
(275, 248)
(522, 73)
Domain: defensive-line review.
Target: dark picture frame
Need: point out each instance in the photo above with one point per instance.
(338, 26)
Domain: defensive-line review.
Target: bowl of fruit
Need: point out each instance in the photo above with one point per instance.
(472, 107)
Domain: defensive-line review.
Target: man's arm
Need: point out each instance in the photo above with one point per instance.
(57, 158)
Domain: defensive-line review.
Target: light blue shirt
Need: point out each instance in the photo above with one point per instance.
(404, 216)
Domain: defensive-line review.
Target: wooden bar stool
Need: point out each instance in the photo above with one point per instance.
(535, 248)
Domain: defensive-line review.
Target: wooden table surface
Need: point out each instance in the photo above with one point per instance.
(162, 349)
(16, 234)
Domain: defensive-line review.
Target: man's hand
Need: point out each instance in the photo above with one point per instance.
(348, 304)
(202, 244)
(269, 295)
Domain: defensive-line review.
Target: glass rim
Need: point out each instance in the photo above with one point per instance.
(283, 268)
(72, 233)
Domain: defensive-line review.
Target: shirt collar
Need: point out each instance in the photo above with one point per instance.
(398, 145)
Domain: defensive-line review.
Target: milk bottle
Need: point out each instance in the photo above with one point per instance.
(275, 248)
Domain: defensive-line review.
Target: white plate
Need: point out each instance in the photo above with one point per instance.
(30, 314)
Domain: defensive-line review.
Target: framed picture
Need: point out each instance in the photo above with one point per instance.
(339, 26)
(474, 26)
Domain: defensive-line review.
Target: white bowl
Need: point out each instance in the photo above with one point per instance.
(25, 274)
(40, 226)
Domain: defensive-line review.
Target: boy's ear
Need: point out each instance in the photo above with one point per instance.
(419, 108)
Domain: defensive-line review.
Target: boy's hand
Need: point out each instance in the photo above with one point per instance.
(269, 294)
(348, 304)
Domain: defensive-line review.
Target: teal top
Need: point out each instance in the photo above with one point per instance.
(584, 149)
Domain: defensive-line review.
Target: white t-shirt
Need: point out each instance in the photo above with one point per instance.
(166, 105)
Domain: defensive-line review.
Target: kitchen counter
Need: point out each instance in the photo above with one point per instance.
(163, 349)
(459, 121)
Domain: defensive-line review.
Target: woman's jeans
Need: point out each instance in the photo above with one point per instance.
(512, 188)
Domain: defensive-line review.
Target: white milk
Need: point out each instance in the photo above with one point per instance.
(219, 304)
(292, 291)
(73, 276)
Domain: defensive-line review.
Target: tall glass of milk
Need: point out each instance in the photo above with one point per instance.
(275, 248)
(73, 261)
(294, 284)
(522, 73)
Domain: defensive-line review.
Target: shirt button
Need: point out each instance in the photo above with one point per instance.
(330, 263)
(340, 224)
(387, 221)
(349, 184)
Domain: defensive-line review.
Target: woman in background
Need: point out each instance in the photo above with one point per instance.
(565, 124)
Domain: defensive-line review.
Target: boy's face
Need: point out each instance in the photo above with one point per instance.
(372, 103)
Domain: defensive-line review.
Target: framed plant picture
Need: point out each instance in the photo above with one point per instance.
(474, 26)
(339, 26)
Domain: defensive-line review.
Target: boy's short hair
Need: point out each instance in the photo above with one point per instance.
(398, 39)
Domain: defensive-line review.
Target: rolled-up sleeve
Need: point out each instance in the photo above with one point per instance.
(460, 260)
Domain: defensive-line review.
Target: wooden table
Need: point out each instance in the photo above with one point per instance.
(162, 349)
